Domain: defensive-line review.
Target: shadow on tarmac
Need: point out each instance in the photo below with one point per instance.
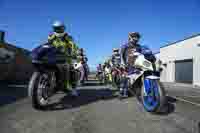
(9, 95)
(87, 96)
(169, 106)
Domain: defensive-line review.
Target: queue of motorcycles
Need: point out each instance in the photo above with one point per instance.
(50, 74)
(51, 70)
(143, 82)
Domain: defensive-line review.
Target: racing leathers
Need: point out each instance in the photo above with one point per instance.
(65, 41)
(116, 60)
(127, 60)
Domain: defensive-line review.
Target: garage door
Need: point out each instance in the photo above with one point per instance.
(184, 71)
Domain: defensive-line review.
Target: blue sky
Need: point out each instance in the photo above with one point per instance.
(100, 25)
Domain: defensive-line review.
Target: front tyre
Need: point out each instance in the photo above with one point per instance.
(38, 92)
(152, 95)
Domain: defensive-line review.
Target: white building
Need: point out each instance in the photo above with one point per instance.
(181, 61)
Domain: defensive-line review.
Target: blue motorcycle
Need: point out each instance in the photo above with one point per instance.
(51, 70)
(144, 81)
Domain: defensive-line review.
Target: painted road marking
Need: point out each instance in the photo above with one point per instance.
(183, 100)
(192, 96)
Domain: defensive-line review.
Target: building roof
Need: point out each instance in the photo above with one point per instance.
(169, 44)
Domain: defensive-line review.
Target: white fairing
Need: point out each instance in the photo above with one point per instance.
(133, 77)
(80, 68)
(142, 63)
(152, 77)
(78, 65)
(107, 70)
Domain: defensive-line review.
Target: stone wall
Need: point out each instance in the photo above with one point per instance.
(19, 69)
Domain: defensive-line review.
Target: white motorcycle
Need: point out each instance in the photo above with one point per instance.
(145, 82)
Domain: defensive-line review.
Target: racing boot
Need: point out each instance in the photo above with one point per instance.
(125, 93)
(120, 93)
(74, 92)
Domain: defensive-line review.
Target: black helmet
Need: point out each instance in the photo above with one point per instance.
(134, 36)
(115, 50)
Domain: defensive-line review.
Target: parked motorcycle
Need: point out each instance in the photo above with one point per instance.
(145, 82)
(51, 70)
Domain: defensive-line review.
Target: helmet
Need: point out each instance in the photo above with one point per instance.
(58, 27)
(81, 49)
(134, 36)
(115, 50)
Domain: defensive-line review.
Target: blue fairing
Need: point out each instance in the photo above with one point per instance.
(34, 52)
(40, 52)
(151, 99)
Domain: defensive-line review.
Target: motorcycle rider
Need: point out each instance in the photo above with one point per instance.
(107, 69)
(116, 60)
(99, 70)
(81, 59)
(59, 38)
(128, 59)
(85, 59)
(86, 67)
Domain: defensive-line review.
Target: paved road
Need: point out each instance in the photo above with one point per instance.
(184, 92)
(97, 110)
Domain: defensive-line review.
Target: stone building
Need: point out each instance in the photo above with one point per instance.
(15, 62)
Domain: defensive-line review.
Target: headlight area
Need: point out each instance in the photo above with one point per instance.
(146, 64)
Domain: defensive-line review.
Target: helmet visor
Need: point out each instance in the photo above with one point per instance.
(59, 29)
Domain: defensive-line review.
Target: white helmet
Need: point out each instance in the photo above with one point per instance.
(58, 27)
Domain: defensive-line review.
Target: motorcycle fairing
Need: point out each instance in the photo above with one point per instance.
(133, 77)
(153, 77)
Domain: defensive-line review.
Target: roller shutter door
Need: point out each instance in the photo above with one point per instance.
(184, 71)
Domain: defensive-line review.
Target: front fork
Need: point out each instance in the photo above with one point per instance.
(52, 84)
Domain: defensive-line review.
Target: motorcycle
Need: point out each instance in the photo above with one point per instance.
(108, 75)
(145, 81)
(100, 76)
(116, 72)
(51, 70)
(79, 66)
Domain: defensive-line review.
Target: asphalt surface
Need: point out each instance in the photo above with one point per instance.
(184, 92)
(97, 110)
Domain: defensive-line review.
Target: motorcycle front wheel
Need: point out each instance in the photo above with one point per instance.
(39, 90)
(152, 95)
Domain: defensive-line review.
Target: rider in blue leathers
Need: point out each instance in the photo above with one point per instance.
(127, 59)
